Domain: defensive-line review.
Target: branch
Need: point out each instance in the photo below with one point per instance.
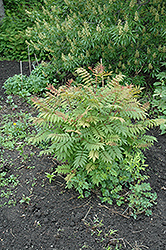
(140, 4)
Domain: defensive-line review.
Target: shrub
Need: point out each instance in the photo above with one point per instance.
(12, 38)
(128, 35)
(159, 98)
(98, 132)
(15, 5)
(12, 29)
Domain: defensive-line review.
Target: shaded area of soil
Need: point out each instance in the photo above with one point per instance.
(56, 219)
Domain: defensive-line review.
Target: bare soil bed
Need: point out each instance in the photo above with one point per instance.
(56, 219)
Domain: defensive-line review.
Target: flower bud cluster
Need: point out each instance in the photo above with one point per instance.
(137, 54)
(132, 3)
(136, 18)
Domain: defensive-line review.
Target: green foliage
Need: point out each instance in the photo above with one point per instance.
(104, 235)
(128, 35)
(50, 176)
(7, 183)
(16, 85)
(159, 98)
(12, 38)
(98, 132)
(14, 130)
(15, 5)
(25, 199)
(25, 86)
(141, 199)
(10, 101)
(12, 29)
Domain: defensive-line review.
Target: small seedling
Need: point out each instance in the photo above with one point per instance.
(25, 199)
(50, 176)
(30, 167)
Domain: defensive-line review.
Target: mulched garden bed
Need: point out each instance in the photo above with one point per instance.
(56, 219)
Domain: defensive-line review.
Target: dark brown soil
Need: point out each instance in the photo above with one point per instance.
(56, 219)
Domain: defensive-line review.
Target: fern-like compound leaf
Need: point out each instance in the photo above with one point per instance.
(80, 159)
(89, 167)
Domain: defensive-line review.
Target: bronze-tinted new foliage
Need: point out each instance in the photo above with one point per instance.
(96, 131)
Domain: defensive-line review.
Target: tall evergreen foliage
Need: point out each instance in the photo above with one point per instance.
(97, 129)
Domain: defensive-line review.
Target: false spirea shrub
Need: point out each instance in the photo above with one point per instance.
(97, 132)
(128, 35)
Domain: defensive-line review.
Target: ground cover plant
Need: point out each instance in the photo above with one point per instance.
(14, 128)
(14, 131)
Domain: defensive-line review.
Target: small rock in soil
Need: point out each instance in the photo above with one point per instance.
(164, 223)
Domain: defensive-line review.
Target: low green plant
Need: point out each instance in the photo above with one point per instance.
(50, 176)
(13, 130)
(98, 129)
(16, 85)
(159, 98)
(102, 234)
(25, 86)
(30, 167)
(141, 199)
(7, 184)
(10, 101)
(25, 199)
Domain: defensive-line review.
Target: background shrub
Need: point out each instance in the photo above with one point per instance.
(12, 38)
(17, 5)
(12, 29)
(159, 98)
(129, 36)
